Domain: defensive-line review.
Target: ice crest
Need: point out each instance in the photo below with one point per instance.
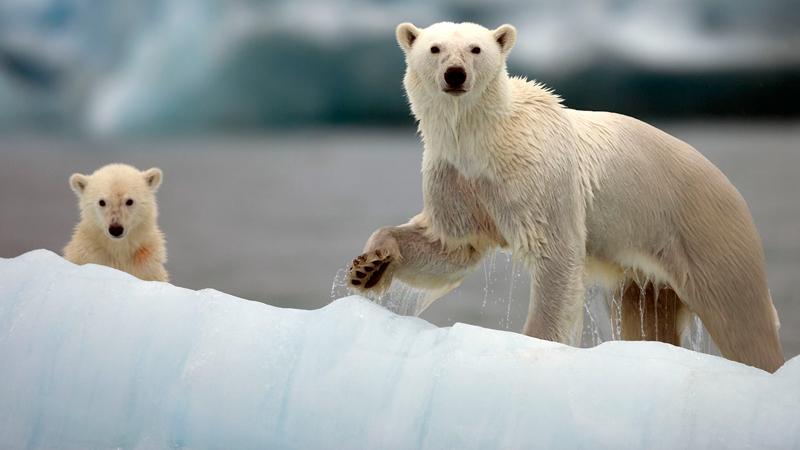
(94, 358)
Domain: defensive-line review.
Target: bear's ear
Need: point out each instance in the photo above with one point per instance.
(506, 36)
(406, 35)
(153, 178)
(78, 183)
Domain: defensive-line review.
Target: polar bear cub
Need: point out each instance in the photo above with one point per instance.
(574, 195)
(118, 225)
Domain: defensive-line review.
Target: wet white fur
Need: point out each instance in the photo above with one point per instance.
(573, 194)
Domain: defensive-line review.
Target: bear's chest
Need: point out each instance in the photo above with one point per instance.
(457, 205)
(463, 150)
(134, 261)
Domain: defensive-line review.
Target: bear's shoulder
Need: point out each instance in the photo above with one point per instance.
(526, 91)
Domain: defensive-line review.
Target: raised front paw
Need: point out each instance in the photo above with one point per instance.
(368, 270)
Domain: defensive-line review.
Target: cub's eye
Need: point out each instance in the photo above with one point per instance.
(476, 50)
(434, 49)
(102, 203)
(129, 202)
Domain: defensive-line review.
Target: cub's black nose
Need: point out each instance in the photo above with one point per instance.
(116, 230)
(455, 77)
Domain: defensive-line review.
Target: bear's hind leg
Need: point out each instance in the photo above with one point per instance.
(743, 327)
(650, 313)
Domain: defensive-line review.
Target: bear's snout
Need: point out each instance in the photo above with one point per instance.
(455, 77)
(116, 230)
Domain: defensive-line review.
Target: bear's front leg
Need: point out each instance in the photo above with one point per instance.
(556, 308)
(407, 252)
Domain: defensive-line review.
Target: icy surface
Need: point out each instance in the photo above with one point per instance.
(93, 358)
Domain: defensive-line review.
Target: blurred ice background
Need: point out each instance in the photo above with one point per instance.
(285, 137)
(143, 66)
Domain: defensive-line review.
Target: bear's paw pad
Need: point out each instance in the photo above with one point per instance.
(367, 270)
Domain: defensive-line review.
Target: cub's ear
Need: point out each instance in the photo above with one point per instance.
(153, 178)
(406, 35)
(506, 36)
(78, 183)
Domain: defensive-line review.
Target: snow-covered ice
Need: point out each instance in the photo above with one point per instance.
(93, 358)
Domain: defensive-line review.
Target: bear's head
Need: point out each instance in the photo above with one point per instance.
(117, 198)
(453, 59)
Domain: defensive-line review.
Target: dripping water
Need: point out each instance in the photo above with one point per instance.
(514, 275)
(488, 278)
(642, 299)
(400, 298)
(339, 285)
(602, 307)
(592, 328)
(602, 318)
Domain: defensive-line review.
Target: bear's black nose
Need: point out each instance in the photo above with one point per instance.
(455, 77)
(116, 230)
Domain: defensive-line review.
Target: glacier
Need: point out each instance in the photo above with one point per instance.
(159, 66)
(91, 357)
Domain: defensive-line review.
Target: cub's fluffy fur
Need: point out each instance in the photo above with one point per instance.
(118, 225)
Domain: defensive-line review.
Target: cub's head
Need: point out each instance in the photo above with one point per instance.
(454, 59)
(117, 198)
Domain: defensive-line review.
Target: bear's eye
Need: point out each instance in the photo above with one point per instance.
(129, 202)
(476, 50)
(102, 203)
(434, 49)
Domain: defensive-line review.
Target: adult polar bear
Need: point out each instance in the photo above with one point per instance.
(573, 195)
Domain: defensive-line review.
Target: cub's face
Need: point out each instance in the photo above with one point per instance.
(454, 60)
(117, 198)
